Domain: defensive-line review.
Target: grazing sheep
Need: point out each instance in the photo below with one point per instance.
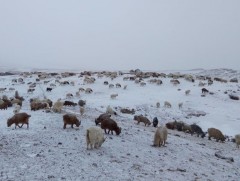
(155, 122)
(16, 109)
(30, 90)
(170, 125)
(111, 86)
(94, 137)
(113, 96)
(167, 104)
(70, 119)
(69, 103)
(4, 105)
(111, 125)
(82, 103)
(82, 110)
(69, 95)
(160, 136)
(88, 91)
(196, 129)
(204, 91)
(187, 92)
(81, 89)
(118, 85)
(48, 89)
(18, 118)
(2, 89)
(109, 110)
(57, 107)
(158, 104)
(237, 140)
(38, 105)
(186, 128)
(102, 117)
(180, 105)
(215, 133)
(143, 84)
(142, 119)
(105, 82)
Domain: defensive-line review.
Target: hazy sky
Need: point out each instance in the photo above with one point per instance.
(123, 34)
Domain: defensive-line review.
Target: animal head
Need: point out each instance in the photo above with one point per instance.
(9, 122)
(118, 130)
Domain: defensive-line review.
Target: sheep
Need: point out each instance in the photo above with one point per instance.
(196, 129)
(48, 89)
(2, 89)
(125, 87)
(158, 104)
(109, 110)
(170, 125)
(78, 94)
(22, 118)
(118, 85)
(237, 140)
(113, 96)
(186, 128)
(30, 90)
(38, 105)
(57, 107)
(81, 89)
(187, 92)
(111, 86)
(70, 119)
(155, 122)
(69, 103)
(16, 109)
(82, 103)
(142, 119)
(204, 90)
(215, 133)
(180, 105)
(88, 91)
(160, 136)
(111, 125)
(94, 137)
(101, 117)
(4, 105)
(69, 95)
(82, 110)
(16, 101)
(167, 104)
(105, 82)
(143, 84)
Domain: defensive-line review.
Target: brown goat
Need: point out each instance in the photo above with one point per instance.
(111, 125)
(19, 118)
(142, 119)
(70, 119)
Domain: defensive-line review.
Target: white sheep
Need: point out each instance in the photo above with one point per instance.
(57, 106)
(78, 94)
(237, 139)
(109, 110)
(88, 91)
(160, 136)
(16, 109)
(69, 95)
(167, 104)
(113, 96)
(94, 137)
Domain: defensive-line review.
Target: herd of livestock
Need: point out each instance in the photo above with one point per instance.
(94, 135)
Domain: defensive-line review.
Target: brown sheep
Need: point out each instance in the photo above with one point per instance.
(215, 133)
(69, 103)
(4, 105)
(170, 125)
(102, 117)
(142, 119)
(19, 118)
(70, 119)
(111, 125)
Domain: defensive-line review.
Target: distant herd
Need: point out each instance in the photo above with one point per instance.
(95, 135)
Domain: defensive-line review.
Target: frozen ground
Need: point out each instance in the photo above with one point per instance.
(48, 152)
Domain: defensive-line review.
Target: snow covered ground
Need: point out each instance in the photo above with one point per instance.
(46, 151)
